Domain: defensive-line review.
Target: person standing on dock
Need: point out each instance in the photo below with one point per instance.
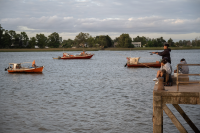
(165, 54)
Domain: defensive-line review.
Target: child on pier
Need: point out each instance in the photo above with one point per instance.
(165, 72)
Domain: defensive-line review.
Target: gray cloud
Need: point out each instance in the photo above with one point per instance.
(70, 24)
(98, 16)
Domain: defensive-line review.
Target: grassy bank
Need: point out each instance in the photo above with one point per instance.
(92, 49)
(149, 48)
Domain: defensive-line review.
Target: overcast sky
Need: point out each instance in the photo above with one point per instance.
(176, 19)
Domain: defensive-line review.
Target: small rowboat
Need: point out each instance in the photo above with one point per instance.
(134, 62)
(149, 64)
(17, 68)
(83, 55)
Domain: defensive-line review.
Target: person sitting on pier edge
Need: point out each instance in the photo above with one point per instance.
(183, 69)
(165, 71)
(166, 59)
(165, 53)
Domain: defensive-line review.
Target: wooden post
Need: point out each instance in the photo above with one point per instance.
(173, 118)
(187, 119)
(177, 82)
(199, 98)
(157, 115)
(161, 83)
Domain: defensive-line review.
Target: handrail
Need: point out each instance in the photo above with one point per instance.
(177, 82)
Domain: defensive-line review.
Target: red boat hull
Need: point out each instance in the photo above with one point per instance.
(77, 57)
(30, 70)
(153, 64)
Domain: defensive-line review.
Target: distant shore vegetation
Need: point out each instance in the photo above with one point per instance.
(11, 40)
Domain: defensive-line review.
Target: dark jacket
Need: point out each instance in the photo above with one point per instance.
(166, 53)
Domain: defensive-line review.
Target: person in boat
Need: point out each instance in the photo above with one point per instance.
(183, 69)
(65, 54)
(33, 64)
(18, 66)
(165, 53)
(83, 53)
(166, 66)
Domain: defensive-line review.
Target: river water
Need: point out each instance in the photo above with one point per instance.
(98, 95)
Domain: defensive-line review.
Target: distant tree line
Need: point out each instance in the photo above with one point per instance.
(10, 39)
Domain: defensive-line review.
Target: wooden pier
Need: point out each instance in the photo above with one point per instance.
(184, 93)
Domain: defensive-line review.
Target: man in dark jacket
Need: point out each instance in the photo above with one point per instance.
(165, 54)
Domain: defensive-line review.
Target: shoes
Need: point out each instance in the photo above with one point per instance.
(155, 79)
(156, 83)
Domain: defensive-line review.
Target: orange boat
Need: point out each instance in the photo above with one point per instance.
(17, 68)
(134, 62)
(82, 55)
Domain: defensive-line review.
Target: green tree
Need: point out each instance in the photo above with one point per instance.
(67, 43)
(53, 40)
(17, 40)
(1, 36)
(150, 44)
(196, 42)
(12, 33)
(177, 44)
(170, 42)
(104, 41)
(109, 41)
(116, 39)
(81, 38)
(184, 43)
(160, 42)
(6, 42)
(32, 42)
(142, 39)
(180, 43)
(125, 41)
(24, 39)
(41, 40)
(91, 42)
(101, 40)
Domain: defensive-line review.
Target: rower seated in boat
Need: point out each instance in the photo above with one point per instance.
(18, 66)
(33, 64)
(65, 54)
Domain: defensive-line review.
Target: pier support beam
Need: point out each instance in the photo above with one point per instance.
(157, 115)
(174, 120)
(187, 119)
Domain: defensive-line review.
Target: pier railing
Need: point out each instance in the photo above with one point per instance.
(189, 82)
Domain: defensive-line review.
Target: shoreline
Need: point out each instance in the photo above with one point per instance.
(93, 49)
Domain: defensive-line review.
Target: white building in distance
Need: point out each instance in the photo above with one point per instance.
(137, 44)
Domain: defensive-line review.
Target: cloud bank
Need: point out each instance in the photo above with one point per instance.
(113, 17)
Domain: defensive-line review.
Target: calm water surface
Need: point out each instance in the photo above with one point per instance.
(99, 95)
